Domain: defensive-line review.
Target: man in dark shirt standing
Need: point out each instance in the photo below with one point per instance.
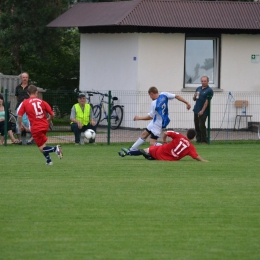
(201, 109)
(21, 94)
(21, 89)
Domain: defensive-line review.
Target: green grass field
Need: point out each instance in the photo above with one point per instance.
(93, 204)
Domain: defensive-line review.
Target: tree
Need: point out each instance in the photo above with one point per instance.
(50, 55)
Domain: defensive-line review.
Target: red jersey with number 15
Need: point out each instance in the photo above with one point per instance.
(179, 147)
(36, 110)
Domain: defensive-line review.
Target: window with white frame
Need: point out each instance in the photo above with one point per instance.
(201, 59)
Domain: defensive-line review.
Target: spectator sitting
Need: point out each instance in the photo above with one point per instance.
(81, 118)
(2, 124)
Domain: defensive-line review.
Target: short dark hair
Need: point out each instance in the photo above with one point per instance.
(153, 90)
(204, 77)
(2, 97)
(32, 89)
(191, 134)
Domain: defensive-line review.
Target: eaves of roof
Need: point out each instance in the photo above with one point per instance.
(218, 15)
(94, 14)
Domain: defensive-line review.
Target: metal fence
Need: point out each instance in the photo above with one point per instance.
(222, 120)
(8, 82)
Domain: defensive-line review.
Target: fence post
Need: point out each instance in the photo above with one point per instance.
(108, 117)
(6, 116)
(209, 100)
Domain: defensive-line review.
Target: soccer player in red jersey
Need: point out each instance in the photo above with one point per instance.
(179, 147)
(175, 150)
(37, 110)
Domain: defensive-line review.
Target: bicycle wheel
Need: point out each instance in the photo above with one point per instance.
(12, 121)
(116, 116)
(97, 114)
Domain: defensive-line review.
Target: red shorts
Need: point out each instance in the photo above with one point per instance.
(40, 137)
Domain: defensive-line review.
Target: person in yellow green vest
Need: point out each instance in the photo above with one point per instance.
(81, 118)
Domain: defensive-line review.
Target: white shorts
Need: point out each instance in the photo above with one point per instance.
(155, 129)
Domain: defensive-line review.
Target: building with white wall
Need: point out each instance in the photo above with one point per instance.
(170, 44)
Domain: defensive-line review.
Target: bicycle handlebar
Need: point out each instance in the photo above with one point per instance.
(113, 98)
(90, 92)
(97, 93)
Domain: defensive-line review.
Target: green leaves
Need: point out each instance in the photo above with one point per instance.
(50, 55)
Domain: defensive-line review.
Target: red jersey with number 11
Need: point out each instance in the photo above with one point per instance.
(36, 110)
(179, 147)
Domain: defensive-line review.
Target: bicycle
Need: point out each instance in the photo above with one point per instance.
(90, 94)
(13, 121)
(12, 118)
(116, 113)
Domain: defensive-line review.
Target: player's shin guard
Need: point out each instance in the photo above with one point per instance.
(136, 145)
(47, 156)
(49, 149)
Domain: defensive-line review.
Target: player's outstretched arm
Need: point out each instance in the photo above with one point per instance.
(188, 106)
(142, 118)
(198, 158)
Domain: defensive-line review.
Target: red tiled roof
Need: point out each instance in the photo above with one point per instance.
(163, 13)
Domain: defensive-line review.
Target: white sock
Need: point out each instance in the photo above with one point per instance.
(136, 145)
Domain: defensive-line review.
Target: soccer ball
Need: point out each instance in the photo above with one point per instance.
(90, 134)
